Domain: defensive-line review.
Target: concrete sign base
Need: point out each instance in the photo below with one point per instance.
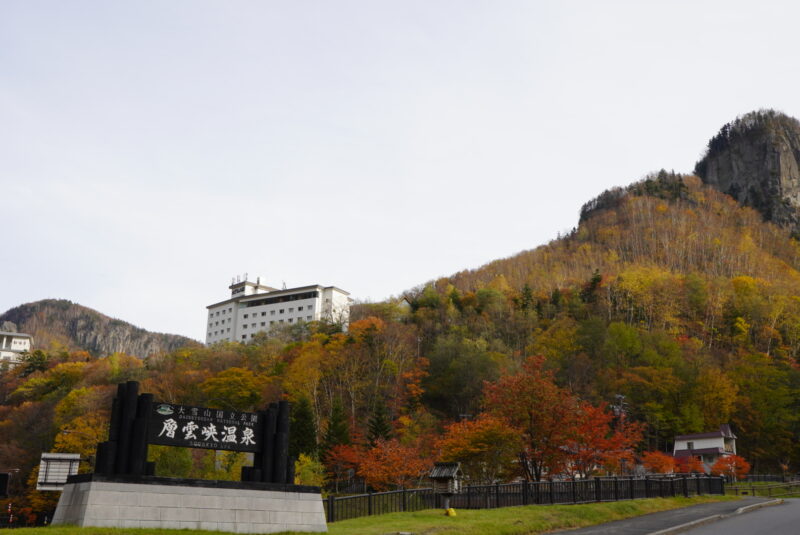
(159, 502)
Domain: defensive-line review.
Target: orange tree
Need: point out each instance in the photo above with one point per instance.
(485, 447)
(543, 413)
(658, 463)
(390, 463)
(595, 443)
(731, 466)
(689, 465)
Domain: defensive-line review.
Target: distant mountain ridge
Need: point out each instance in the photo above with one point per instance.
(58, 321)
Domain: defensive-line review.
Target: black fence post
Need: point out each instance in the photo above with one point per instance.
(646, 487)
(574, 491)
(331, 508)
(524, 493)
(632, 487)
(685, 487)
(405, 500)
(369, 504)
(469, 496)
(697, 485)
(496, 495)
(598, 491)
(616, 489)
(552, 492)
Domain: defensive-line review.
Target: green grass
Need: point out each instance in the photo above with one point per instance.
(505, 521)
(511, 520)
(766, 489)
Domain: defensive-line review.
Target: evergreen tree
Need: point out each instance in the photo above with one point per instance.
(379, 426)
(303, 438)
(337, 431)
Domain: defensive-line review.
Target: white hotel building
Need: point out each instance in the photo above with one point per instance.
(254, 307)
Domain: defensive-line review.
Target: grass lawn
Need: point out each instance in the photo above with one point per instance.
(511, 520)
(505, 521)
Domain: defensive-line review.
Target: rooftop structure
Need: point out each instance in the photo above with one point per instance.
(254, 307)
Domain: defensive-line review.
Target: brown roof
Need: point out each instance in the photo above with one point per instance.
(724, 431)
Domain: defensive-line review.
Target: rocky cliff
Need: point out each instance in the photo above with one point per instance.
(756, 160)
(76, 327)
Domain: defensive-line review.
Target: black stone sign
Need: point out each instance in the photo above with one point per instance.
(137, 421)
(200, 427)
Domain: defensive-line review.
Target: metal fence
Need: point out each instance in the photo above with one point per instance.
(599, 489)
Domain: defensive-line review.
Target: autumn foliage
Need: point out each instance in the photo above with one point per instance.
(657, 462)
(733, 467)
(669, 310)
(689, 465)
(560, 432)
(391, 464)
(486, 447)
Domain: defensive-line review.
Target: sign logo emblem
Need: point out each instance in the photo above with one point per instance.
(164, 409)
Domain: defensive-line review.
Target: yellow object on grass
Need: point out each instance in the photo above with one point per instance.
(450, 512)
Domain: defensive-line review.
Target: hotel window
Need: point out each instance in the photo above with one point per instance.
(281, 311)
(308, 318)
(244, 326)
(311, 307)
(229, 329)
(271, 312)
(290, 320)
(263, 323)
(244, 337)
(271, 322)
(291, 310)
(253, 325)
(245, 316)
(299, 309)
(263, 313)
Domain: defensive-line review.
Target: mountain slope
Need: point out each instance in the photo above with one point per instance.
(671, 221)
(80, 328)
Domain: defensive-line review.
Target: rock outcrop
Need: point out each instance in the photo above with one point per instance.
(75, 327)
(756, 160)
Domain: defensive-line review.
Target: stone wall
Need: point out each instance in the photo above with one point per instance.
(196, 506)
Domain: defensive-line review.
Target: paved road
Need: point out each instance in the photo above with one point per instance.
(775, 520)
(642, 525)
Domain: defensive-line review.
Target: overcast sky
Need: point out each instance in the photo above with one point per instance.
(149, 151)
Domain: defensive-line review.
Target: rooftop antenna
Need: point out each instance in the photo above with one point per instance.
(284, 284)
(245, 277)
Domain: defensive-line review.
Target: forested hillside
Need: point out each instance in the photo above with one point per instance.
(670, 309)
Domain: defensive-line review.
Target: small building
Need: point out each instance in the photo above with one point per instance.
(13, 345)
(708, 447)
(254, 307)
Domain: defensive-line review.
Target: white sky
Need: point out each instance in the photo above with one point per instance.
(150, 150)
